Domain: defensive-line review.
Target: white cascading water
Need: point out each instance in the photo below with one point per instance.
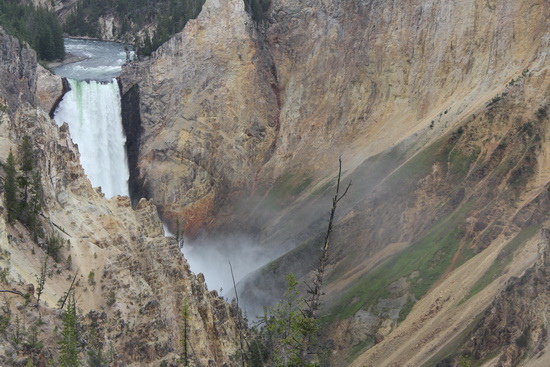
(92, 111)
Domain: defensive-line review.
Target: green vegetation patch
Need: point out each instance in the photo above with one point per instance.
(420, 165)
(286, 188)
(429, 257)
(460, 163)
(36, 26)
(503, 259)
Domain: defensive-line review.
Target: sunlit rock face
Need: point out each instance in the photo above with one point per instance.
(18, 65)
(208, 106)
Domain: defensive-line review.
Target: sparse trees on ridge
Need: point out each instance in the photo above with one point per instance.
(23, 192)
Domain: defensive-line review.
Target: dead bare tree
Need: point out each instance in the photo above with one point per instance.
(14, 292)
(68, 292)
(313, 303)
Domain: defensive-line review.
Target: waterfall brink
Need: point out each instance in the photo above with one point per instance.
(92, 111)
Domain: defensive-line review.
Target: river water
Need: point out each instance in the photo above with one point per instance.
(101, 61)
(92, 109)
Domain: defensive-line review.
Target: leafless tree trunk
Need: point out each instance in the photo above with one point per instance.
(315, 290)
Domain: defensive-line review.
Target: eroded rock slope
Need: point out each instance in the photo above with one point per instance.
(439, 108)
(131, 282)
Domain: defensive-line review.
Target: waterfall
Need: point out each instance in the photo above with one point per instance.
(92, 111)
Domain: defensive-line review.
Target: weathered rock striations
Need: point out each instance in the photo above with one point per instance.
(131, 281)
(207, 115)
(318, 81)
(515, 326)
(440, 109)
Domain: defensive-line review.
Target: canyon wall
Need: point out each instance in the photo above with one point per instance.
(130, 281)
(260, 102)
(438, 108)
(207, 115)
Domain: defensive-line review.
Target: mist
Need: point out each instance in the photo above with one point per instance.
(211, 256)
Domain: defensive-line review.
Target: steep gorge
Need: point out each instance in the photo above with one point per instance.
(439, 109)
(253, 87)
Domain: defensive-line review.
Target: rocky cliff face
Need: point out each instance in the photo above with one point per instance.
(18, 70)
(440, 110)
(208, 115)
(130, 281)
(516, 323)
(392, 72)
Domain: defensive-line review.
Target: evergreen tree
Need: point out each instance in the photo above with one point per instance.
(29, 189)
(186, 316)
(36, 26)
(285, 331)
(41, 280)
(95, 355)
(10, 189)
(35, 206)
(25, 165)
(68, 345)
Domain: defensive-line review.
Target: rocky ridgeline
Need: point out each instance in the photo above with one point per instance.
(130, 281)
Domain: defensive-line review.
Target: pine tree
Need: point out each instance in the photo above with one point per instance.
(34, 206)
(69, 339)
(95, 355)
(285, 331)
(41, 279)
(10, 189)
(186, 316)
(28, 189)
(26, 161)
